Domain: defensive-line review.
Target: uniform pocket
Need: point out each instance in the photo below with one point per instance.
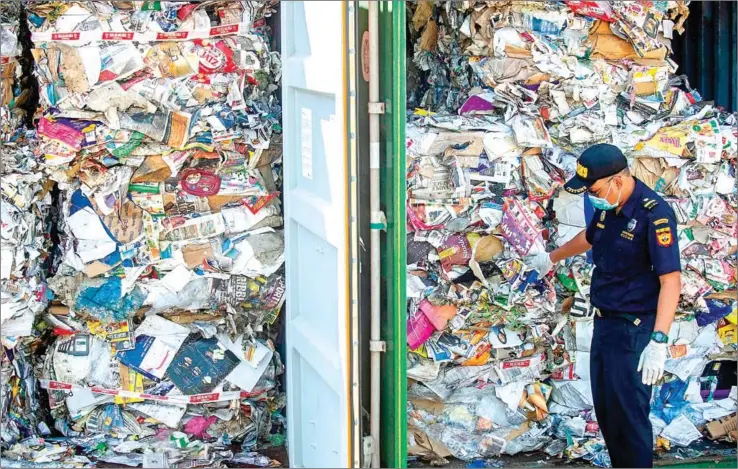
(599, 251)
(611, 336)
(638, 336)
(626, 255)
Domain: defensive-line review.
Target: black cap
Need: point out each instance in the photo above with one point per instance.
(597, 162)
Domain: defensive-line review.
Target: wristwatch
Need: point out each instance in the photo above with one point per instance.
(659, 337)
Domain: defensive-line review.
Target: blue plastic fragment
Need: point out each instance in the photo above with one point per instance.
(102, 299)
(716, 310)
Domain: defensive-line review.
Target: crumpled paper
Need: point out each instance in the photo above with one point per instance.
(504, 96)
(140, 255)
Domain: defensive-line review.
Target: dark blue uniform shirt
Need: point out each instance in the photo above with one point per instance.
(631, 249)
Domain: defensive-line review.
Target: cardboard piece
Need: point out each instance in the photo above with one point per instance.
(722, 427)
(425, 446)
(422, 14)
(7, 72)
(723, 295)
(608, 46)
(429, 39)
(153, 169)
(434, 407)
(654, 172)
(72, 67)
(95, 268)
(516, 52)
(126, 224)
(185, 317)
(217, 201)
(524, 427)
(195, 254)
(179, 203)
(466, 153)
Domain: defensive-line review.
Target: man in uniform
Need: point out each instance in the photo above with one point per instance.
(635, 288)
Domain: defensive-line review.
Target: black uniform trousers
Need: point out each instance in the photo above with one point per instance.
(621, 400)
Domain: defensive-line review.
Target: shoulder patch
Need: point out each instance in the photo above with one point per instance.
(664, 237)
(649, 204)
(661, 221)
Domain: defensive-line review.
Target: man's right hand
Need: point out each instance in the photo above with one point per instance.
(575, 246)
(540, 262)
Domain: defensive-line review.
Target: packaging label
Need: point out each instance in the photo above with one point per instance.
(228, 29)
(65, 36)
(173, 35)
(117, 36)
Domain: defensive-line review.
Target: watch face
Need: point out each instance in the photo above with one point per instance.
(659, 337)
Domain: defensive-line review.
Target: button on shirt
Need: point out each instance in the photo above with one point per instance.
(631, 249)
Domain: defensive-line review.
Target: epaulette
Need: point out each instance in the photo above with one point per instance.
(649, 204)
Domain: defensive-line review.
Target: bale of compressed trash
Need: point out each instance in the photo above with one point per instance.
(159, 131)
(502, 98)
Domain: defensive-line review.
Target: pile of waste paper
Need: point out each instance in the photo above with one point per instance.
(12, 114)
(26, 221)
(502, 98)
(159, 125)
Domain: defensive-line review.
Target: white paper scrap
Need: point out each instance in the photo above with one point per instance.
(681, 431)
(177, 279)
(251, 368)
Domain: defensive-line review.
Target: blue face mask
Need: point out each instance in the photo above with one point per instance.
(601, 203)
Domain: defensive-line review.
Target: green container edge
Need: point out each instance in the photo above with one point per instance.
(392, 56)
(393, 429)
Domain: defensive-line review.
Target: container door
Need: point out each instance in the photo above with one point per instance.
(316, 218)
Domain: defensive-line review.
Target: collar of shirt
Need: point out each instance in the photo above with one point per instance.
(633, 201)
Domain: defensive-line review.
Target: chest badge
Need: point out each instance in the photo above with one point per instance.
(632, 224)
(603, 215)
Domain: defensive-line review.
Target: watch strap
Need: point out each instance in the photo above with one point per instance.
(659, 337)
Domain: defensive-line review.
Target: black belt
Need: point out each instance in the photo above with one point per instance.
(616, 314)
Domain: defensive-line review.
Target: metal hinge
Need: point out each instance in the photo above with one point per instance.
(368, 450)
(376, 108)
(377, 346)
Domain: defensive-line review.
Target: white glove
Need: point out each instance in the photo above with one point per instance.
(652, 362)
(540, 262)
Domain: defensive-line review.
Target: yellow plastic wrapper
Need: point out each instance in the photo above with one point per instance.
(669, 140)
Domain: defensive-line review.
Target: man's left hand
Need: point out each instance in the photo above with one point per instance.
(652, 362)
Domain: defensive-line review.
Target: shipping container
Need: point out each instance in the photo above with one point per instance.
(325, 105)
